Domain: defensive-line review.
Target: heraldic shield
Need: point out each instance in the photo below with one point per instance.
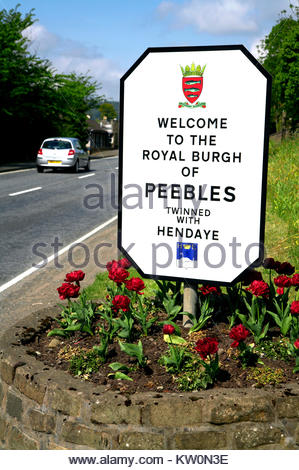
(192, 87)
(192, 81)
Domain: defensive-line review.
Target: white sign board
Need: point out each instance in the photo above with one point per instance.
(193, 162)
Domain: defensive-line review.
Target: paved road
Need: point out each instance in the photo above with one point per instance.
(53, 206)
(38, 291)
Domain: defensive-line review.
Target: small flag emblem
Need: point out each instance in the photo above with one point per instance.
(186, 255)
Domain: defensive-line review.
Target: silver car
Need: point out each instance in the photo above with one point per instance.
(62, 152)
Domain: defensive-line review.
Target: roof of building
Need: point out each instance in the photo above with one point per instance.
(98, 127)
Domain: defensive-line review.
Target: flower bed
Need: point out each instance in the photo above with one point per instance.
(242, 337)
(125, 374)
(45, 408)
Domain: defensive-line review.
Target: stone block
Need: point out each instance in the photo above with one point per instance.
(14, 406)
(173, 413)
(29, 385)
(131, 440)
(54, 446)
(7, 370)
(1, 394)
(288, 407)
(115, 411)
(297, 435)
(3, 428)
(85, 436)
(41, 422)
(253, 435)
(17, 440)
(272, 447)
(64, 401)
(202, 439)
(225, 410)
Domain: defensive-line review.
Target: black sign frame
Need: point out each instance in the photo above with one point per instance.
(268, 77)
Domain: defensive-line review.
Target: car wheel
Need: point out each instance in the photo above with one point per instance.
(87, 168)
(39, 169)
(76, 167)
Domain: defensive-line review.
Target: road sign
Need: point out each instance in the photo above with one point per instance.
(193, 162)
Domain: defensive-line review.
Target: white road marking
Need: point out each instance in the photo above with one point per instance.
(26, 191)
(56, 255)
(16, 171)
(86, 176)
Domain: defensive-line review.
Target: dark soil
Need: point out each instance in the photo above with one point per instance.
(153, 377)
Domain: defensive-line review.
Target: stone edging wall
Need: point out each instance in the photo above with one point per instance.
(42, 408)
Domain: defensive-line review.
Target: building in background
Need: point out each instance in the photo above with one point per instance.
(102, 135)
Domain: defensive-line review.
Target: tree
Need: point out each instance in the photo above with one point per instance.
(279, 54)
(75, 96)
(24, 81)
(36, 102)
(108, 110)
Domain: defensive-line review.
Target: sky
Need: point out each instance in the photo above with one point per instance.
(104, 38)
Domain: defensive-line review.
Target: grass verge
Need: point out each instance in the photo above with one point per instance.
(281, 235)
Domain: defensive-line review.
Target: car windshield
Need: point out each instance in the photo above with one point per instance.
(57, 144)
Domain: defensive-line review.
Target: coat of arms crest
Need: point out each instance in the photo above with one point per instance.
(192, 83)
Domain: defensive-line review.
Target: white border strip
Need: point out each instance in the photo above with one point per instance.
(16, 171)
(86, 176)
(52, 257)
(26, 191)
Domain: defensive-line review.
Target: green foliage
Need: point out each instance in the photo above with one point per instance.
(174, 359)
(102, 349)
(85, 363)
(119, 370)
(205, 314)
(107, 110)
(282, 240)
(170, 298)
(107, 326)
(172, 310)
(235, 303)
(173, 339)
(134, 350)
(76, 316)
(255, 319)
(168, 291)
(246, 355)
(75, 94)
(274, 349)
(120, 376)
(32, 95)
(296, 368)
(266, 376)
(125, 324)
(193, 380)
(282, 317)
(279, 55)
(197, 374)
(141, 314)
(118, 366)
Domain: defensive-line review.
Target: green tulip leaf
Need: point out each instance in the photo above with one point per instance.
(118, 366)
(174, 339)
